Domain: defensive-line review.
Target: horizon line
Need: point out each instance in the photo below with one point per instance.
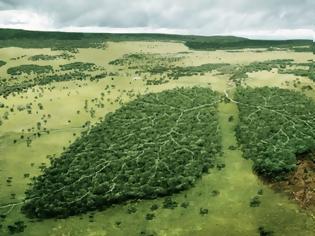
(113, 31)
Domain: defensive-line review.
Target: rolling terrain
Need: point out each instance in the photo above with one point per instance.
(149, 134)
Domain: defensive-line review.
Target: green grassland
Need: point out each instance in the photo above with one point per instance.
(44, 113)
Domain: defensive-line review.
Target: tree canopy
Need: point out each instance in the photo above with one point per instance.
(2, 63)
(28, 69)
(155, 145)
(275, 125)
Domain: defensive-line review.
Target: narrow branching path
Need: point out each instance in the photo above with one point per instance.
(156, 145)
(275, 126)
(226, 192)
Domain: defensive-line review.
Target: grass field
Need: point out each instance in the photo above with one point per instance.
(62, 109)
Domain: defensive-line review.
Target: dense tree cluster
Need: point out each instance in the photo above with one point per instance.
(241, 43)
(311, 71)
(79, 66)
(2, 63)
(29, 69)
(6, 90)
(56, 40)
(155, 145)
(43, 57)
(275, 125)
(42, 80)
(17, 227)
(263, 232)
(129, 59)
(69, 41)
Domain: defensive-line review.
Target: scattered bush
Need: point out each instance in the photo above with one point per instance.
(203, 211)
(255, 202)
(17, 227)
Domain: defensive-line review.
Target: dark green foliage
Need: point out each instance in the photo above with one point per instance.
(156, 81)
(58, 78)
(154, 207)
(203, 211)
(308, 70)
(156, 145)
(2, 63)
(130, 59)
(28, 69)
(220, 166)
(232, 147)
(153, 63)
(263, 232)
(311, 71)
(80, 66)
(296, 72)
(275, 125)
(11, 34)
(17, 227)
(69, 41)
(215, 193)
(144, 233)
(42, 57)
(7, 90)
(168, 203)
(56, 40)
(131, 210)
(26, 175)
(312, 76)
(240, 43)
(149, 216)
(255, 202)
(118, 223)
(184, 204)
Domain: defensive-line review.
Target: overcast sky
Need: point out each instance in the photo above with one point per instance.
(249, 18)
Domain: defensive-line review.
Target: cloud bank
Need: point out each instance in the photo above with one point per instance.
(250, 18)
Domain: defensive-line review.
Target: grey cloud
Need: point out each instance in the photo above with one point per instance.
(198, 16)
